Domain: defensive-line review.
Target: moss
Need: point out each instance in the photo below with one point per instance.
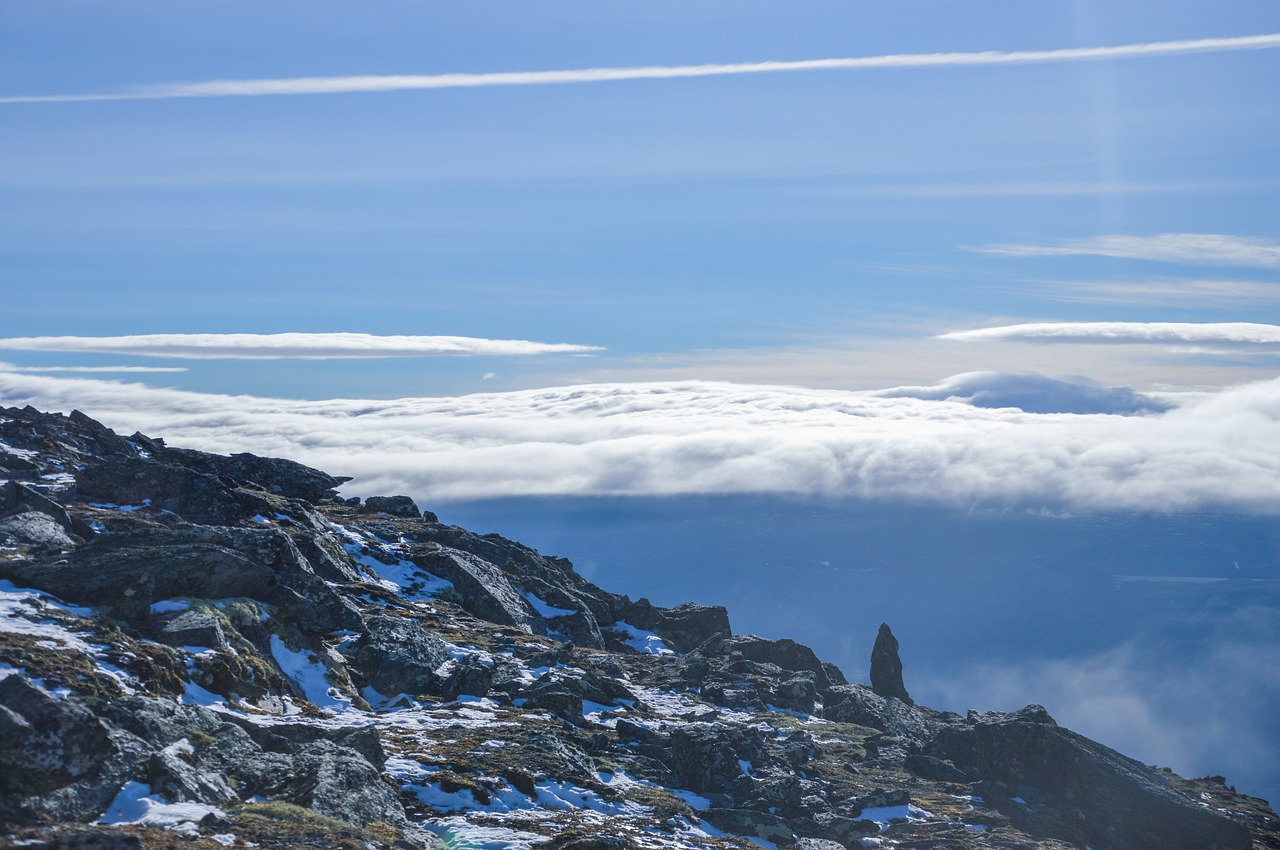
(65, 669)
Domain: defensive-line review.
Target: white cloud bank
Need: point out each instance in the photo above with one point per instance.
(1185, 248)
(699, 437)
(1218, 333)
(402, 82)
(306, 346)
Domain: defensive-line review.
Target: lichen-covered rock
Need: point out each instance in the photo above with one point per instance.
(398, 656)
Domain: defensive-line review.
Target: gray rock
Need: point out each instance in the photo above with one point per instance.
(341, 783)
(275, 475)
(16, 498)
(751, 823)
(1121, 802)
(817, 844)
(684, 627)
(193, 628)
(207, 562)
(180, 781)
(929, 767)
(859, 704)
(401, 506)
(886, 666)
(33, 528)
(48, 742)
(708, 757)
(397, 656)
(485, 589)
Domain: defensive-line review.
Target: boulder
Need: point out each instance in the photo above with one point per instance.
(17, 498)
(180, 781)
(485, 590)
(684, 627)
(401, 506)
(32, 528)
(707, 757)
(397, 655)
(193, 628)
(48, 742)
(859, 704)
(341, 783)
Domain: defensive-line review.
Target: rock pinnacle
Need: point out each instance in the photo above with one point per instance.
(886, 667)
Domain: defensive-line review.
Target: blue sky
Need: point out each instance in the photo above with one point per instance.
(693, 228)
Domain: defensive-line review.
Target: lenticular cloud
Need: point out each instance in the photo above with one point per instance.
(299, 346)
(701, 437)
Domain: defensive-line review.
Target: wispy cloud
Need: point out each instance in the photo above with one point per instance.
(1219, 333)
(700, 437)
(1215, 249)
(402, 82)
(10, 367)
(306, 346)
(1199, 292)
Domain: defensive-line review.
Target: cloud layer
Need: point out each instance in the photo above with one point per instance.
(699, 437)
(306, 346)
(1215, 249)
(402, 82)
(1033, 394)
(1219, 333)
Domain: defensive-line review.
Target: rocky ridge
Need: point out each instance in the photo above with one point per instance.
(214, 651)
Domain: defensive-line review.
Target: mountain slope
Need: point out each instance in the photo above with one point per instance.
(221, 651)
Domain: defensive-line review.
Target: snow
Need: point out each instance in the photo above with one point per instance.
(196, 695)
(25, 454)
(546, 610)
(566, 796)
(641, 640)
(884, 815)
(403, 577)
(146, 503)
(619, 779)
(136, 804)
(460, 834)
(23, 611)
(309, 676)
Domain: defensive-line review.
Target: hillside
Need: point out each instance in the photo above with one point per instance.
(212, 651)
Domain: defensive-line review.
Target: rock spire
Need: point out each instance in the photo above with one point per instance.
(886, 667)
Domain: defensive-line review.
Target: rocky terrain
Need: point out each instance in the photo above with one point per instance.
(209, 651)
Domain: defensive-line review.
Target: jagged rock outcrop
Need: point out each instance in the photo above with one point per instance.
(239, 654)
(886, 666)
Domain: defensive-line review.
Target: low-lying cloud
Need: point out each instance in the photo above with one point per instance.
(1205, 705)
(1219, 333)
(1216, 249)
(402, 82)
(1033, 394)
(701, 437)
(302, 346)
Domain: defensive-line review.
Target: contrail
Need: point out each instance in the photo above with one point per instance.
(380, 83)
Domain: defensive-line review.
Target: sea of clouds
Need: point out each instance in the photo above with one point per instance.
(965, 440)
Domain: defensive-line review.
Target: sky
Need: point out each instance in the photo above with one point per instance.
(326, 203)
